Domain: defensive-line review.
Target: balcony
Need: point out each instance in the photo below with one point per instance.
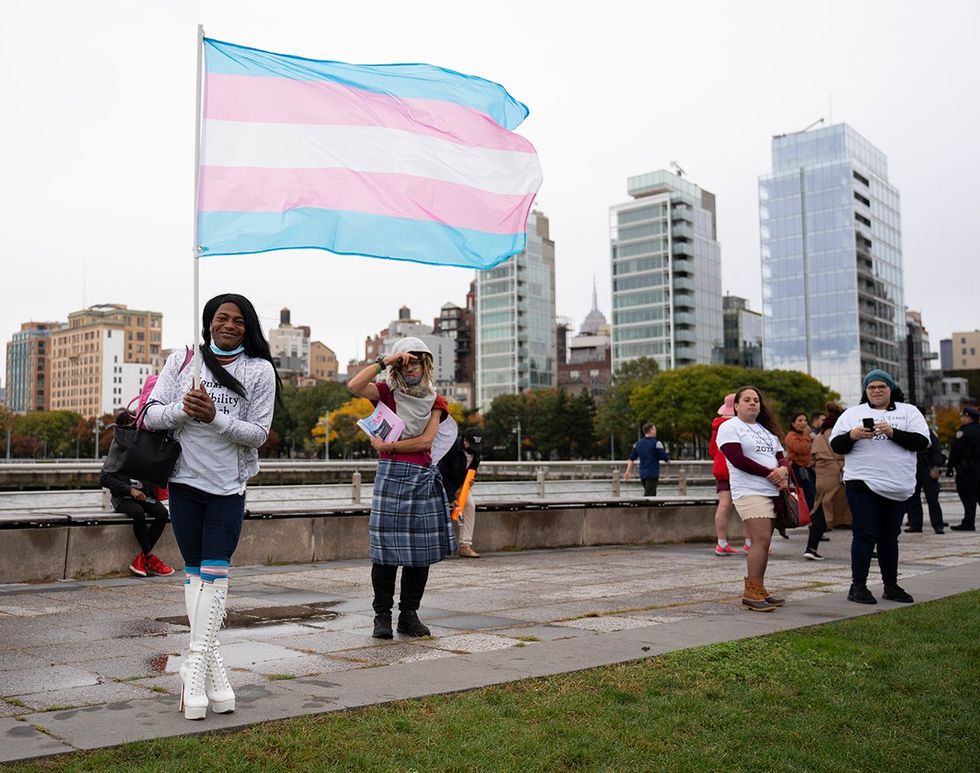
(682, 250)
(684, 338)
(681, 231)
(683, 284)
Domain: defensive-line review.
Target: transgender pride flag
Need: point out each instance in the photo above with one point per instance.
(404, 161)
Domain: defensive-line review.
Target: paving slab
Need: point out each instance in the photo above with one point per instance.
(106, 647)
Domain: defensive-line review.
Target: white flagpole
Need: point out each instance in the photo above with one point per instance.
(196, 250)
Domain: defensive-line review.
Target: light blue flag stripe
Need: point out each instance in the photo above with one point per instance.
(408, 81)
(355, 233)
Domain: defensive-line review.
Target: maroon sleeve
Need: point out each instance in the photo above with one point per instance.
(384, 392)
(733, 453)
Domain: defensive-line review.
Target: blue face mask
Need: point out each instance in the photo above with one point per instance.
(412, 380)
(223, 353)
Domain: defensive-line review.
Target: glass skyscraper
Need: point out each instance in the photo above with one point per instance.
(832, 289)
(515, 313)
(666, 267)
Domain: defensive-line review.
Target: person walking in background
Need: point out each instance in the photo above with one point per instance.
(757, 472)
(964, 461)
(409, 526)
(829, 501)
(879, 439)
(719, 469)
(139, 500)
(798, 452)
(927, 468)
(650, 452)
(220, 425)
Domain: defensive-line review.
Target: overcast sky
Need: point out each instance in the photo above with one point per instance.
(97, 143)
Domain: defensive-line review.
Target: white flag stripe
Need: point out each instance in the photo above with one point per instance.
(368, 149)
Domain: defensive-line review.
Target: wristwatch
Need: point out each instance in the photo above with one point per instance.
(380, 362)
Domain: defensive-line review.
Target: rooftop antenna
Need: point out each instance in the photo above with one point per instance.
(801, 131)
(677, 167)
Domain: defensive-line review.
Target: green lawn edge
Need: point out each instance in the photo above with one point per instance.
(894, 691)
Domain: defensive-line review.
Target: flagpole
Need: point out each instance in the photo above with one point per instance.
(196, 248)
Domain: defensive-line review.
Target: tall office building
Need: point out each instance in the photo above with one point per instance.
(742, 344)
(28, 375)
(666, 267)
(515, 313)
(832, 288)
(100, 359)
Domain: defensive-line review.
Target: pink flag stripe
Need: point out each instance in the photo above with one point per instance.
(259, 99)
(260, 189)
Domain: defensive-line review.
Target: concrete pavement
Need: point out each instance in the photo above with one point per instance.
(88, 664)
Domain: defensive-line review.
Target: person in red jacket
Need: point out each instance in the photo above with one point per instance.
(719, 470)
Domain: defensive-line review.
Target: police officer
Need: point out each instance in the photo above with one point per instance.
(929, 463)
(964, 460)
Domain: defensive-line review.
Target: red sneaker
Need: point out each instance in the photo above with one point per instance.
(157, 567)
(138, 567)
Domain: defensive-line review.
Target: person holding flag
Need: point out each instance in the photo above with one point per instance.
(220, 416)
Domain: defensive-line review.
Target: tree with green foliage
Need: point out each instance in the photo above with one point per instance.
(553, 424)
(615, 418)
(300, 412)
(683, 402)
(51, 429)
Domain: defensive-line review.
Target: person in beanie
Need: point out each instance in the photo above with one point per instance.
(879, 440)
(410, 525)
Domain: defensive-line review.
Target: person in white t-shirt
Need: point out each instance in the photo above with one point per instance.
(879, 439)
(756, 472)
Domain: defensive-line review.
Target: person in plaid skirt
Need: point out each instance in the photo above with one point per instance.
(410, 525)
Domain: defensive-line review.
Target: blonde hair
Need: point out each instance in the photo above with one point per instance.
(426, 386)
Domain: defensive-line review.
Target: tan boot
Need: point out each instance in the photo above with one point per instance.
(466, 551)
(774, 600)
(754, 597)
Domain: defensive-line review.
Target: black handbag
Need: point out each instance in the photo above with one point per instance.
(142, 454)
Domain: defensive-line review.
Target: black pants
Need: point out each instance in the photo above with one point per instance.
(805, 476)
(414, 579)
(146, 536)
(925, 484)
(875, 521)
(818, 526)
(967, 485)
(650, 486)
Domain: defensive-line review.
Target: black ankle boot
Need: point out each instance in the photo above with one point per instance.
(861, 595)
(382, 626)
(409, 624)
(895, 593)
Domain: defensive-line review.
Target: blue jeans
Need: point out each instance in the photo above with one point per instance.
(206, 526)
(875, 520)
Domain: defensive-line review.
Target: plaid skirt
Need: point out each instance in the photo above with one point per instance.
(410, 523)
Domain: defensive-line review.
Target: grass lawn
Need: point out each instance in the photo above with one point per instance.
(894, 691)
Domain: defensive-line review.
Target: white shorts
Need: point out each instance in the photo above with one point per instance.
(755, 506)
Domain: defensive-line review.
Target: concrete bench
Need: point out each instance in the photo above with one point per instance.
(40, 546)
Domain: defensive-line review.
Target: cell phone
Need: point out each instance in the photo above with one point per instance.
(868, 423)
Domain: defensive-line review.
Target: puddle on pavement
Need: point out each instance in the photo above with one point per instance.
(249, 618)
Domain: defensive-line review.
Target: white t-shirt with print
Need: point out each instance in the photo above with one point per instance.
(759, 445)
(884, 466)
(209, 462)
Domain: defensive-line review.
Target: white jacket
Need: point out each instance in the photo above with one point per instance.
(247, 431)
